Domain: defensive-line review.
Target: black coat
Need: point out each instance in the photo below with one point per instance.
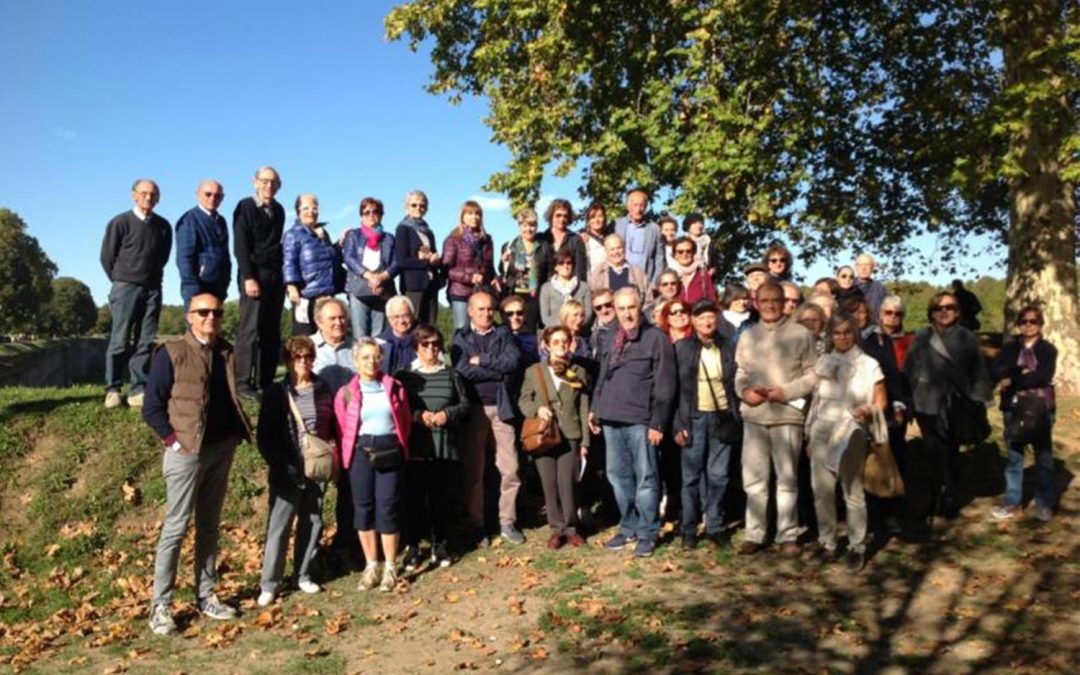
(1005, 366)
(688, 359)
(277, 432)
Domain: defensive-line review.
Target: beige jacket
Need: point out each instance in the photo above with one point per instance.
(777, 354)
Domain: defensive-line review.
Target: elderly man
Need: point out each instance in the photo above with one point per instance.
(618, 272)
(873, 290)
(134, 252)
(632, 404)
(397, 338)
(488, 358)
(193, 407)
(202, 246)
(334, 365)
(705, 423)
(644, 244)
(258, 225)
(792, 297)
(774, 375)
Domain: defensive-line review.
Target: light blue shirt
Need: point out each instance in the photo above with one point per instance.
(333, 365)
(636, 254)
(376, 419)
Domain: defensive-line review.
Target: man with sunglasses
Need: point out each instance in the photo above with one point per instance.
(202, 246)
(193, 407)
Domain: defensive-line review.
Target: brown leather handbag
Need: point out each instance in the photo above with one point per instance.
(537, 435)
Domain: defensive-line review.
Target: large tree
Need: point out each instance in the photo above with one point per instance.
(25, 276)
(832, 125)
(71, 310)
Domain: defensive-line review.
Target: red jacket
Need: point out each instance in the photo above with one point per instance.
(462, 263)
(347, 416)
(700, 287)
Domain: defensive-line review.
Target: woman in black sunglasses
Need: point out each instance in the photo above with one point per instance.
(947, 372)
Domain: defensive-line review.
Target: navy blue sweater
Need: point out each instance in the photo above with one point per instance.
(202, 254)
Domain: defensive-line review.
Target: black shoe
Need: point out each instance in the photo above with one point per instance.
(823, 556)
(720, 539)
(854, 560)
(689, 541)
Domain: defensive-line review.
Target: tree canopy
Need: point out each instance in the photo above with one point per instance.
(830, 125)
(25, 276)
(71, 310)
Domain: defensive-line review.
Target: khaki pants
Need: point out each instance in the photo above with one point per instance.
(779, 445)
(824, 482)
(482, 429)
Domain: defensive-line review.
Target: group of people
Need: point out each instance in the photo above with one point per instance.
(667, 395)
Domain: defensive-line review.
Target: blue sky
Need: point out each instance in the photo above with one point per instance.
(99, 93)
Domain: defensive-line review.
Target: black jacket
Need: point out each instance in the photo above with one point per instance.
(1004, 366)
(413, 272)
(277, 432)
(257, 239)
(688, 358)
(638, 386)
(501, 362)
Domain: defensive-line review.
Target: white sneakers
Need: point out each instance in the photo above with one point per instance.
(112, 399)
(264, 599)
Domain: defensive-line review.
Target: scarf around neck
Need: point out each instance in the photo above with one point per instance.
(372, 235)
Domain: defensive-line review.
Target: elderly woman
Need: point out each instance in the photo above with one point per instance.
(559, 215)
(812, 317)
(943, 360)
(371, 266)
(736, 309)
(668, 286)
(418, 258)
(468, 257)
(564, 285)
(298, 404)
(439, 405)
(374, 421)
(524, 266)
(596, 228)
(558, 392)
(1025, 368)
(696, 282)
(673, 317)
(312, 264)
(891, 320)
(850, 388)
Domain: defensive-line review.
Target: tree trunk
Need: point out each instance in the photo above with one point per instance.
(1042, 222)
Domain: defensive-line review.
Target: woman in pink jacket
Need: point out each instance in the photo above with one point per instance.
(373, 419)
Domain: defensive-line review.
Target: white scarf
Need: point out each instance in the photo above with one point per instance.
(566, 288)
(736, 318)
(417, 367)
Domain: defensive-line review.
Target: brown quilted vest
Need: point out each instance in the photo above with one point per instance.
(191, 388)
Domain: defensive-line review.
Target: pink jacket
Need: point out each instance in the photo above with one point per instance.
(347, 416)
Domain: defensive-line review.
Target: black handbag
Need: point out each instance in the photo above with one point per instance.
(968, 423)
(385, 459)
(1030, 420)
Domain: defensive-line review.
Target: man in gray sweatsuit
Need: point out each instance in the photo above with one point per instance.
(774, 374)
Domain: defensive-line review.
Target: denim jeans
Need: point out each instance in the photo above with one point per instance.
(135, 311)
(368, 316)
(1044, 469)
(704, 474)
(634, 476)
(459, 310)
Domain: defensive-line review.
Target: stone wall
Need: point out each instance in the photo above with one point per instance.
(53, 363)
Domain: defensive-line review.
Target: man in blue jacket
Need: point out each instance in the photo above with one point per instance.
(202, 246)
(632, 405)
(644, 244)
(487, 356)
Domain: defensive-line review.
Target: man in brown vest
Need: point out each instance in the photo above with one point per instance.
(192, 405)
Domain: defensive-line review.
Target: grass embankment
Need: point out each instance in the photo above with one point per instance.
(81, 502)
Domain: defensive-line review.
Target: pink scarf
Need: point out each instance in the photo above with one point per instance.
(373, 235)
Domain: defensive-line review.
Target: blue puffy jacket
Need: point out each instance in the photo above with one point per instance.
(312, 262)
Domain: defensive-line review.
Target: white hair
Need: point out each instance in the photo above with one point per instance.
(400, 300)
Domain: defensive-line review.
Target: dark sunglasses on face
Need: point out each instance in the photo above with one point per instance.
(602, 306)
(669, 283)
(431, 344)
(418, 205)
(772, 260)
(1028, 322)
(684, 251)
(944, 308)
(514, 312)
(844, 276)
(205, 312)
(215, 195)
(677, 312)
(892, 312)
(305, 356)
(371, 212)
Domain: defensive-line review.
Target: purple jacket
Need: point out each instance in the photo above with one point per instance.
(462, 262)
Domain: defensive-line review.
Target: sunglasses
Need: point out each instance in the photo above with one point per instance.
(305, 356)
(677, 312)
(604, 305)
(431, 344)
(684, 251)
(514, 312)
(944, 308)
(205, 312)
(418, 205)
(371, 212)
(215, 195)
(783, 260)
(845, 276)
(892, 312)
(669, 283)
(1028, 322)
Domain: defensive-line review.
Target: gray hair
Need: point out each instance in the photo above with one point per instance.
(632, 291)
(400, 300)
(267, 167)
(324, 301)
(865, 256)
(135, 185)
(415, 193)
(894, 301)
(365, 341)
(615, 237)
(527, 215)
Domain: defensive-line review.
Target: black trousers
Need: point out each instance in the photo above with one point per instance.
(258, 335)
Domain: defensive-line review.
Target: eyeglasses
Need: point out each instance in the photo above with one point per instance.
(204, 312)
(514, 312)
(684, 251)
(845, 276)
(783, 260)
(305, 356)
(215, 195)
(418, 205)
(677, 312)
(371, 212)
(1028, 322)
(669, 283)
(431, 344)
(892, 312)
(602, 306)
(944, 308)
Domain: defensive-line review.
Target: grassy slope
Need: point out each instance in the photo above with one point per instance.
(78, 547)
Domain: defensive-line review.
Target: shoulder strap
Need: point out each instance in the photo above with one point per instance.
(709, 379)
(540, 375)
(295, 411)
